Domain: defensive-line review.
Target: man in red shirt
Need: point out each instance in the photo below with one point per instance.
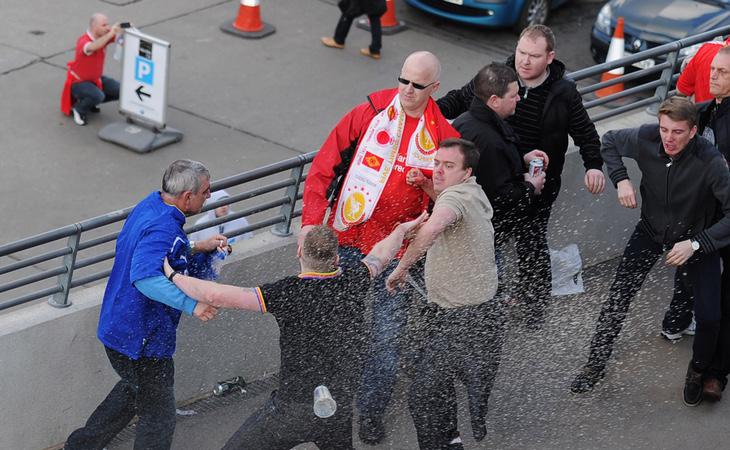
(373, 171)
(85, 86)
(695, 77)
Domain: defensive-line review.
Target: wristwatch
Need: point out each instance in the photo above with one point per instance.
(695, 245)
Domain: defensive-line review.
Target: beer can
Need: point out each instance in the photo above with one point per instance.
(535, 167)
(230, 385)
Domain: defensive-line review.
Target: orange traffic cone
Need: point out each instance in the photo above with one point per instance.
(248, 23)
(615, 51)
(388, 21)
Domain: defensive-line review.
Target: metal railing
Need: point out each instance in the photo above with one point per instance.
(278, 211)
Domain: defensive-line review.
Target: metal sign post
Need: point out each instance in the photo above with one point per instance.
(142, 96)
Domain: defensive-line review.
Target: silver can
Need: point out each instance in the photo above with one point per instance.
(235, 384)
(535, 167)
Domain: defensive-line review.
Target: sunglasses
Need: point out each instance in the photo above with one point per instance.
(420, 87)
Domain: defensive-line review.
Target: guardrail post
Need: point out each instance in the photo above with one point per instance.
(662, 90)
(60, 300)
(284, 229)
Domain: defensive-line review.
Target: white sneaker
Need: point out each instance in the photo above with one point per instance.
(79, 118)
(676, 337)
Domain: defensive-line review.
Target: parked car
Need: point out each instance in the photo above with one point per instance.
(651, 23)
(490, 13)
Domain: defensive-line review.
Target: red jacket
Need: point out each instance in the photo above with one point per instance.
(695, 78)
(399, 201)
(83, 68)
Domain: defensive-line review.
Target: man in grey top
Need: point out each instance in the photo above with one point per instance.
(462, 327)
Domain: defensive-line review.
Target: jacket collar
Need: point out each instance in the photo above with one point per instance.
(484, 113)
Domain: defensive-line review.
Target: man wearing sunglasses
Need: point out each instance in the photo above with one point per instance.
(550, 109)
(362, 174)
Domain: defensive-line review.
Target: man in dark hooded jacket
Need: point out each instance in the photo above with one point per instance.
(549, 110)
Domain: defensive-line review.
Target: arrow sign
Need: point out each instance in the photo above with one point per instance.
(140, 93)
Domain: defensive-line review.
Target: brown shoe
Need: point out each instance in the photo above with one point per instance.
(712, 389)
(366, 52)
(331, 43)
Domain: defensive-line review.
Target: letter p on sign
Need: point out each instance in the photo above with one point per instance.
(144, 70)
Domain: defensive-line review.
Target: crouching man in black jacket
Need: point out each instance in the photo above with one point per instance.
(685, 187)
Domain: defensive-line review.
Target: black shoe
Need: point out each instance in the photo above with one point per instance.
(95, 109)
(692, 387)
(586, 379)
(371, 430)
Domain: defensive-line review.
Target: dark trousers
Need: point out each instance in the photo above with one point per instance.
(280, 426)
(145, 390)
(701, 274)
(679, 315)
(533, 263)
(463, 343)
(86, 94)
(376, 31)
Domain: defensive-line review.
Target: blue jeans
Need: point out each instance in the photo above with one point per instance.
(389, 318)
(145, 390)
(86, 95)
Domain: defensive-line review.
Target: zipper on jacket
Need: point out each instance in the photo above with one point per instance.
(667, 210)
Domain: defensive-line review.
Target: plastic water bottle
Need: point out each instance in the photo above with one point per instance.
(118, 47)
(324, 405)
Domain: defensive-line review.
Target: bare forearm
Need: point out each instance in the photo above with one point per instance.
(417, 248)
(384, 251)
(218, 295)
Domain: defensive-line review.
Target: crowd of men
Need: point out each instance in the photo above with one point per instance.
(395, 183)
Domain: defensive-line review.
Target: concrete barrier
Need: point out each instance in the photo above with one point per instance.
(54, 370)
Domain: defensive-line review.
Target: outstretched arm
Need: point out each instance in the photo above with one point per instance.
(385, 250)
(215, 294)
(440, 219)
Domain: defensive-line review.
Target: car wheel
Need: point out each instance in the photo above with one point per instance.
(534, 12)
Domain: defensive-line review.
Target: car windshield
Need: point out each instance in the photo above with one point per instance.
(724, 3)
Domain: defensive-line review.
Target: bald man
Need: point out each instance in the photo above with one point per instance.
(374, 171)
(85, 86)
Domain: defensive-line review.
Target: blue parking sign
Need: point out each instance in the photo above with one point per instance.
(144, 70)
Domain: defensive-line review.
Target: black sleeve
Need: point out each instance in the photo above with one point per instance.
(584, 133)
(718, 235)
(506, 190)
(274, 297)
(457, 101)
(616, 145)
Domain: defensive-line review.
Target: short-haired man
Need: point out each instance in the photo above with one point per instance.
(550, 109)
(363, 168)
(695, 76)
(714, 125)
(502, 169)
(85, 86)
(685, 187)
(141, 311)
(321, 315)
(463, 319)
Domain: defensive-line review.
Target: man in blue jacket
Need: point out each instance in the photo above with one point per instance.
(141, 311)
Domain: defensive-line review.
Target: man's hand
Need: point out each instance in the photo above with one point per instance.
(410, 228)
(595, 181)
(415, 177)
(167, 267)
(538, 182)
(536, 154)
(680, 253)
(116, 29)
(626, 194)
(396, 280)
(303, 233)
(204, 311)
(212, 243)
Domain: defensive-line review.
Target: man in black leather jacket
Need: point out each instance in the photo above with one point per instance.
(685, 208)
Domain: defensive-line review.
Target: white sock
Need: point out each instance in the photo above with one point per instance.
(456, 440)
